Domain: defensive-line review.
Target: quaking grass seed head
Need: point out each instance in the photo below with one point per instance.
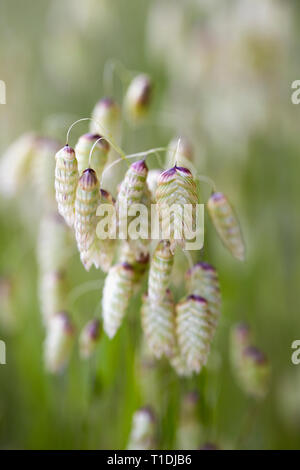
(254, 372)
(160, 271)
(89, 338)
(106, 117)
(194, 331)
(58, 343)
(98, 157)
(66, 179)
(142, 435)
(226, 224)
(176, 189)
(138, 98)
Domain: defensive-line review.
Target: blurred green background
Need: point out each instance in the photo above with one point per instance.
(222, 76)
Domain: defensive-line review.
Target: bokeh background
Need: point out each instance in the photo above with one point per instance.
(222, 77)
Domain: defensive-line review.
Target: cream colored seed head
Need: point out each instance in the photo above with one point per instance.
(105, 247)
(58, 342)
(66, 180)
(160, 271)
(86, 203)
(202, 279)
(99, 155)
(106, 117)
(117, 291)
(158, 321)
(194, 331)
(89, 338)
(176, 191)
(142, 435)
(226, 224)
(54, 244)
(138, 98)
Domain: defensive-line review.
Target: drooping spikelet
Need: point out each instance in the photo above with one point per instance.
(189, 429)
(179, 363)
(131, 192)
(54, 245)
(194, 331)
(240, 339)
(202, 279)
(254, 373)
(180, 152)
(15, 164)
(158, 321)
(139, 261)
(53, 290)
(160, 271)
(226, 224)
(106, 117)
(98, 157)
(106, 223)
(66, 180)
(117, 291)
(58, 342)
(86, 203)
(138, 98)
(43, 170)
(176, 198)
(89, 338)
(142, 435)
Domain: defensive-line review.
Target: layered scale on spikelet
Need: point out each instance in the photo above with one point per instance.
(226, 224)
(66, 180)
(158, 321)
(176, 197)
(117, 291)
(194, 331)
(99, 155)
(202, 279)
(86, 203)
(130, 192)
(160, 271)
(105, 247)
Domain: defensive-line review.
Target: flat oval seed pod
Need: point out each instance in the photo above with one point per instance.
(131, 192)
(158, 321)
(99, 155)
(106, 117)
(86, 203)
(138, 98)
(254, 372)
(58, 343)
(53, 291)
(15, 164)
(117, 291)
(54, 244)
(160, 271)
(202, 279)
(179, 151)
(226, 224)
(142, 435)
(89, 338)
(43, 170)
(176, 189)
(194, 331)
(66, 180)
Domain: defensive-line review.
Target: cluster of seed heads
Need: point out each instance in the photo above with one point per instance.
(182, 330)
